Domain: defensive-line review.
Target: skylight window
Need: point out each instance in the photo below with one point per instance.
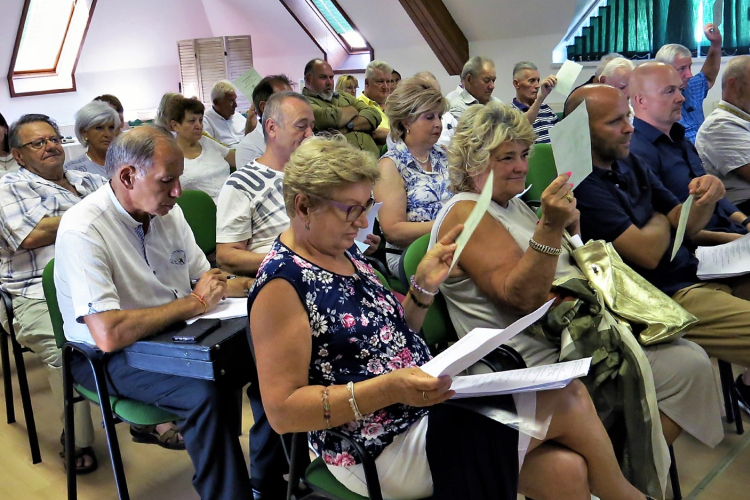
(339, 23)
(44, 32)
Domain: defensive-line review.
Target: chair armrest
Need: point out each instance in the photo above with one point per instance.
(8, 304)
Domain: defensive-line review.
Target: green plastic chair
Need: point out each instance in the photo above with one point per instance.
(542, 172)
(200, 214)
(119, 409)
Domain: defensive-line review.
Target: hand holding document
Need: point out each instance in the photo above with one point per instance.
(477, 344)
(474, 217)
(247, 82)
(724, 261)
(571, 145)
(566, 77)
(680, 235)
(362, 233)
(226, 309)
(718, 13)
(538, 378)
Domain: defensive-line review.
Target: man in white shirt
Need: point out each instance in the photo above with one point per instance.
(221, 121)
(253, 145)
(124, 260)
(723, 141)
(478, 77)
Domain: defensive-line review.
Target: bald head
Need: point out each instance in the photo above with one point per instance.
(319, 78)
(655, 94)
(735, 83)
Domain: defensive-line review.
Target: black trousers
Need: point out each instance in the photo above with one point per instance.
(208, 421)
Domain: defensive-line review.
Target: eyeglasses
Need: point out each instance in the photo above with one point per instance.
(353, 212)
(40, 143)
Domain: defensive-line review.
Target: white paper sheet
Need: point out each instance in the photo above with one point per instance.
(718, 13)
(566, 77)
(477, 344)
(571, 145)
(724, 261)
(680, 235)
(226, 309)
(247, 82)
(475, 216)
(362, 233)
(538, 378)
(361, 245)
(519, 195)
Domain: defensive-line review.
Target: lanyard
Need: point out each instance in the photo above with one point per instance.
(736, 113)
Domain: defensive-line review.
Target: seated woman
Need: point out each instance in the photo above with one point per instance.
(115, 104)
(97, 125)
(530, 262)
(7, 162)
(414, 182)
(207, 163)
(348, 84)
(335, 349)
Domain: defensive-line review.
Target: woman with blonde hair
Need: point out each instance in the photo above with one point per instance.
(348, 84)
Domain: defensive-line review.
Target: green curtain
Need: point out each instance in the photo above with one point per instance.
(736, 27)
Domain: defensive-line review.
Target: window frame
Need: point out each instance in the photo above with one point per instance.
(351, 50)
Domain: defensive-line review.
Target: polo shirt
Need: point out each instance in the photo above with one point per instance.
(610, 201)
(454, 93)
(723, 144)
(252, 146)
(228, 132)
(251, 208)
(675, 162)
(545, 120)
(25, 199)
(692, 109)
(463, 100)
(84, 164)
(385, 123)
(105, 262)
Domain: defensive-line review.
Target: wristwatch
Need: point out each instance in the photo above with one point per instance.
(350, 126)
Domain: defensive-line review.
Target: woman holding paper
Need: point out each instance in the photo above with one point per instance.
(335, 349)
(515, 262)
(414, 182)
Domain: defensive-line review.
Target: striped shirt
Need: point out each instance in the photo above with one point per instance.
(251, 208)
(545, 120)
(25, 199)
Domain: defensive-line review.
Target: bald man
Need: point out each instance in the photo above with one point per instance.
(625, 203)
(723, 140)
(659, 140)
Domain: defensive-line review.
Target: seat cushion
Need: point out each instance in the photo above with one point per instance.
(318, 476)
(130, 410)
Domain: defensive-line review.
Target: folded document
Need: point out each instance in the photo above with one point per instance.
(724, 261)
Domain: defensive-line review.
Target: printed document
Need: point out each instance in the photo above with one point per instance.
(571, 145)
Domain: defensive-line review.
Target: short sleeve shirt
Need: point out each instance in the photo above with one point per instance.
(104, 261)
(463, 100)
(692, 109)
(610, 201)
(545, 120)
(208, 171)
(723, 144)
(228, 132)
(25, 199)
(84, 164)
(251, 147)
(251, 208)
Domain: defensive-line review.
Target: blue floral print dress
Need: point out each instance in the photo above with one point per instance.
(358, 332)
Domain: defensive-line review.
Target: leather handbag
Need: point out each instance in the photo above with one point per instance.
(630, 296)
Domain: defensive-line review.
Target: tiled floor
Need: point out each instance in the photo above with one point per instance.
(154, 473)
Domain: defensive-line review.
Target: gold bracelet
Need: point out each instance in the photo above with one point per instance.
(326, 408)
(200, 299)
(545, 249)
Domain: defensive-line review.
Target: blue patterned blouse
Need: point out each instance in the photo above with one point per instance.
(358, 332)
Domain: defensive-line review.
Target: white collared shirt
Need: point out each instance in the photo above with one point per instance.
(463, 100)
(251, 147)
(228, 132)
(104, 262)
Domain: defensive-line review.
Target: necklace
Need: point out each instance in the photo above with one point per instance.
(421, 160)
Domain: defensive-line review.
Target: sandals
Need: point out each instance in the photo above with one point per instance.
(81, 453)
(147, 434)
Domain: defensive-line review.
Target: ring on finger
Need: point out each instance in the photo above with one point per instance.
(424, 395)
(569, 196)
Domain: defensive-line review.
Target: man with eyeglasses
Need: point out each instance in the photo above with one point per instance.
(221, 121)
(32, 201)
(378, 81)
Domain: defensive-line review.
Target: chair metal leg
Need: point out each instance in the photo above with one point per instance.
(68, 401)
(736, 409)
(731, 403)
(28, 411)
(10, 410)
(673, 476)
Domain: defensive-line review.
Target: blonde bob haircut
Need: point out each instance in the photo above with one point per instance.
(322, 164)
(343, 81)
(411, 98)
(480, 130)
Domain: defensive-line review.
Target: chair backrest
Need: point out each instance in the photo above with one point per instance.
(542, 171)
(437, 327)
(50, 295)
(200, 213)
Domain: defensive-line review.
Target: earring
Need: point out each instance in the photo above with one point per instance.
(307, 225)
(407, 130)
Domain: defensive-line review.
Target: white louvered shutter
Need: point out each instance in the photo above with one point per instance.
(239, 60)
(189, 76)
(211, 65)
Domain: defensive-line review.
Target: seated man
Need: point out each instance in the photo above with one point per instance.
(694, 88)
(123, 263)
(32, 200)
(253, 145)
(531, 92)
(339, 112)
(377, 89)
(723, 140)
(617, 74)
(478, 79)
(624, 202)
(221, 121)
(659, 141)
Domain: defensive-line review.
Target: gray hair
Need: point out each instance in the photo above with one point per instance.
(474, 65)
(668, 53)
(162, 120)
(615, 64)
(523, 65)
(377, 65)
(136, 149)
(273, 109)
(604, 61)
(221, 88)
(93, 114)
(736, 68)
(14, 141)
